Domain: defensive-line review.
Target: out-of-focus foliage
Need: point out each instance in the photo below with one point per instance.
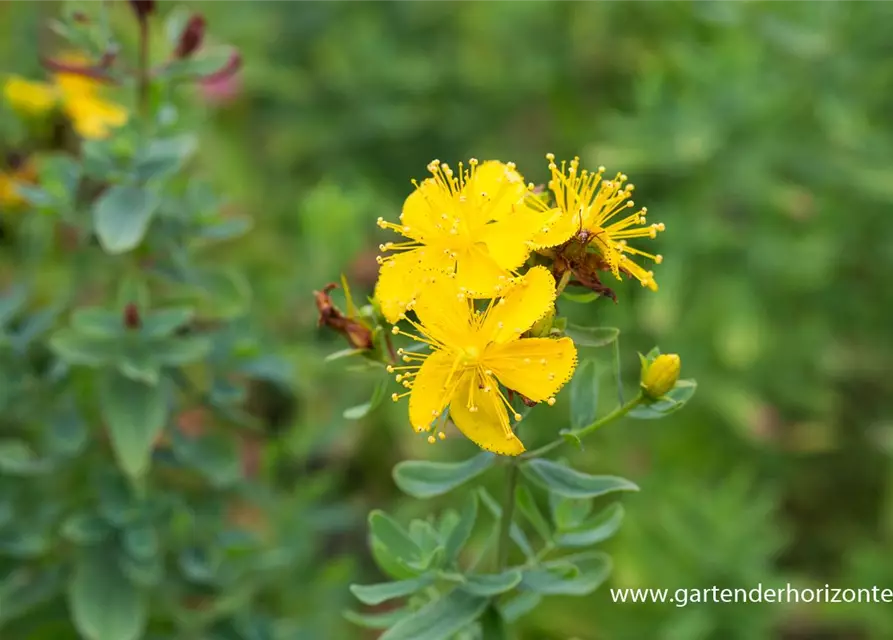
(760, 133)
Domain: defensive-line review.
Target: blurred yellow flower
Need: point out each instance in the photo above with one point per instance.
(91, 116)
(9, 197)
(590, 207)
(470, 223)
(472, 352)
(29, 97)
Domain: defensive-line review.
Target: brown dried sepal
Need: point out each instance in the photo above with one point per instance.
(358, 335)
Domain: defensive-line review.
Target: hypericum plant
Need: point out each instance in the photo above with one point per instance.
(474, 288)
(125, 357)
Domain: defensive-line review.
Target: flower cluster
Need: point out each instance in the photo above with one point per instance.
(484, 257)
(78, 96)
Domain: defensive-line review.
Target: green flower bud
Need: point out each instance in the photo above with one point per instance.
(660, 375)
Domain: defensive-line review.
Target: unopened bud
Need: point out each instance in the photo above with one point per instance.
(660, 375)
(191, 38)
(132, 318)
(143, 8)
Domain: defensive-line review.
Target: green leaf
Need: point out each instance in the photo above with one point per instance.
(581, 298)
(584, 389)
(515, 532)
(138, 360)
(440, 619)
(424, 479)
(12, 302)
(577, 575)
(377, 593)
(121, 217)
(215, 456)
(162, 323)
(343, 353)
(226, 292)
(26, 588)
(135, 414)
(85, 528)
(220, 230)
(97, 322)
(519, 605)
(569, 513)
(376, 620)
(529, 509)
(164, 157)
(66, 434)
(387, 532)
(79, 349)
(104, 605)
(598, 529)
(59, 176)
(592, 336)
(175, 352)
(18, 459)
(460, 533)
(362, 410)
(140, 540)
(488, 585)
(571, 483)
(674, 400)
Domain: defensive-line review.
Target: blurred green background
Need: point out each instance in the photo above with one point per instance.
(759, 133)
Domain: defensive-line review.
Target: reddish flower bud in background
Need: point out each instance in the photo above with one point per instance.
(143, 8)
(191, 38)
(223, 86)
(132, 318)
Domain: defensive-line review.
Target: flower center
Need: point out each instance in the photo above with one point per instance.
(470, 356)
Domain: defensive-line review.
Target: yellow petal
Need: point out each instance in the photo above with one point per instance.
(534, 367)
(508, 240)
(558, 228)
(29, 97)
(432, 388)
(528, 300)
(422, 210)
(445, 312)
(484, 427)
(496, 189)
(398, 284)
(93, 118)
(479, 273)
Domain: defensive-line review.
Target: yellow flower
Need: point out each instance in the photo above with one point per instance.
(29, 97)
(9, 197)
(472, 223)
(91, 115)
(472, 352)
(590, 207)
(93, 118)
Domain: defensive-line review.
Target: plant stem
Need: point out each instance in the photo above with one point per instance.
(508, 512)
(616, 414)
(143, 71)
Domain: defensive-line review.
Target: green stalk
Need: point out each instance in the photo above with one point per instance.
(508, 511)
(616, 414)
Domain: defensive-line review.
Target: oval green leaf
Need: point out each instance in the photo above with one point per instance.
(424, 479)
(121, 217)
(104, 604)
(373, 594)
(571, 483)
(135, 414)
(440, 619)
